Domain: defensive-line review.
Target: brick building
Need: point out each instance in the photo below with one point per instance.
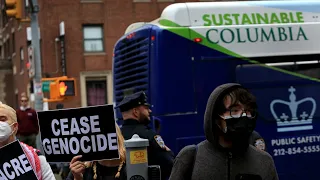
(91, 29)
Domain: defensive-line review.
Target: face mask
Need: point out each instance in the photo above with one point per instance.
(238, 131)
(5, 131)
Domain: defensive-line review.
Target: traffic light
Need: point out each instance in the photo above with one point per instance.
(14, 8)
(62, 87)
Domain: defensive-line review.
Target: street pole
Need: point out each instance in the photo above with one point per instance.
(35, 41)
(37, 83)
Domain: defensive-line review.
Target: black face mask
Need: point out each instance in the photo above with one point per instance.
(239, 131)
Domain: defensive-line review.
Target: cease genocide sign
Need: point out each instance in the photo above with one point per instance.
(86, 131)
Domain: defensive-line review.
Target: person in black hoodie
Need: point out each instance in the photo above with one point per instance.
(229, 121)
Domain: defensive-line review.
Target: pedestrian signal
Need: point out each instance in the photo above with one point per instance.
(61, 87)
(67, 87)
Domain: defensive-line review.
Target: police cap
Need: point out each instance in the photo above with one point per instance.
(132, 101)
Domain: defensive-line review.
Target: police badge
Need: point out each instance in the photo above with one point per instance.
(160, 141)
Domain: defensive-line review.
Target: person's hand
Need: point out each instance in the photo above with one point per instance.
(77, 167)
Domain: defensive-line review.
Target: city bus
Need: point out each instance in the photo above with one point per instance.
(270, 47)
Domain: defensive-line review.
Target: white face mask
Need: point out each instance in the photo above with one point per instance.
(5, 131)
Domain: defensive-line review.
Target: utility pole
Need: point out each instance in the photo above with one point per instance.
(35, 41)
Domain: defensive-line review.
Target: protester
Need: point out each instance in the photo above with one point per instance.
(28, 122)
(257, 141)
(8, 130)
(100, 170)
(229, 121)
(136, 115)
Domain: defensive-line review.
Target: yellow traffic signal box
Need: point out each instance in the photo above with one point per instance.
(14, 8)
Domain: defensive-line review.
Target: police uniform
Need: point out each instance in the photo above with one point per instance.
(158, 153)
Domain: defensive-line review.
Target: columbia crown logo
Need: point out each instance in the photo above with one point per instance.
(295, 122)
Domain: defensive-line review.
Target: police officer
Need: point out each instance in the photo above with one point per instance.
(136, 115)
(257, 141)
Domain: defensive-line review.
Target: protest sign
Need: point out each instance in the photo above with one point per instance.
(87, 131)
(14, 163)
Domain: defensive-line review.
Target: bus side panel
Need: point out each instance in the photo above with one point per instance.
(294, 147)
(171, 74)
(184, 129)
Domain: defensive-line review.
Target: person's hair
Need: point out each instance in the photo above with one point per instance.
(59, 106)
(24, 95)
(122, 153)
(237, 95)
(122, 149)
(11, 112)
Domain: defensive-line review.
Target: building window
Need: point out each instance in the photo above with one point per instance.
(7, 49)
(13, 43)
(17, 101)
(21, 60)
(96, 92)
(4, 17)
(1, 53)
(93, 38)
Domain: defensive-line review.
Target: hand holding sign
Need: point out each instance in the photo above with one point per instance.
(77, 167)
(86, 131)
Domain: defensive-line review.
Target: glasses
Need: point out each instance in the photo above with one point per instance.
(24, 100)
(238, 112)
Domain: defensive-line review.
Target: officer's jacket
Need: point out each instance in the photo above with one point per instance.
(157, 153)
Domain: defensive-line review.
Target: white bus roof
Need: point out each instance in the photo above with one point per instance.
(242, 12)
(134, 26)
(248, 28)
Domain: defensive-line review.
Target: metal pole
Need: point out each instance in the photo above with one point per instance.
(37, 84)
(35, 41)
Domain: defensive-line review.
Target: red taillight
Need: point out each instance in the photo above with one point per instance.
(130, 35)
(197, 40)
